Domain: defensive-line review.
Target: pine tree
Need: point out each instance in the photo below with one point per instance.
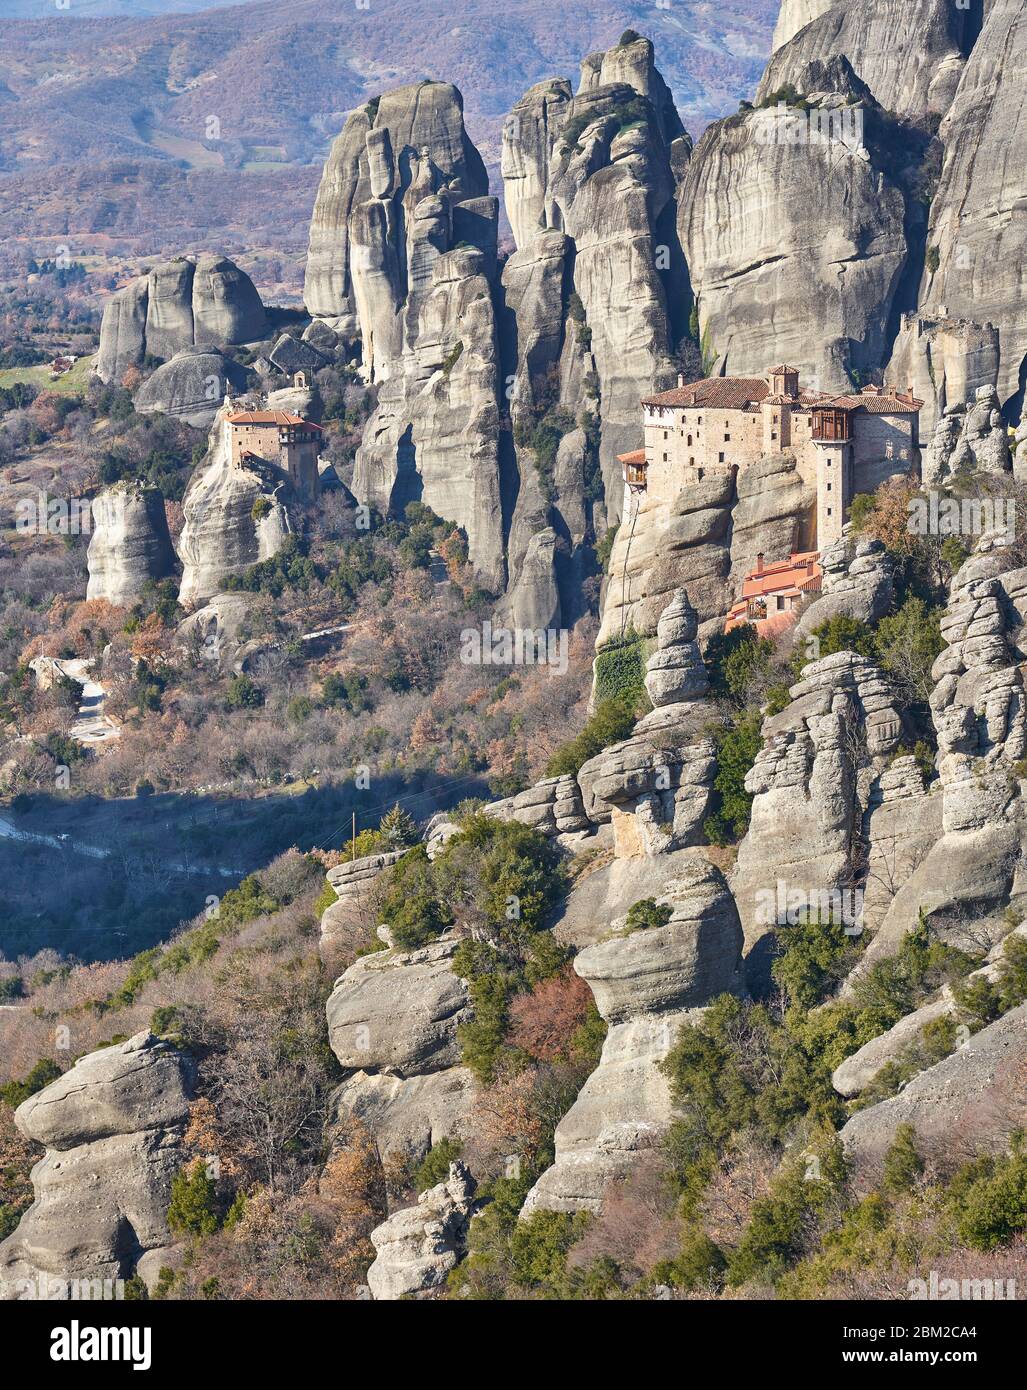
(398, 828)
(902, 1163)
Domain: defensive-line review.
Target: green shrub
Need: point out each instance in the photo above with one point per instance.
(12, 1093)
(620, 669)
(903, 1165)
(648, 913)
(612, 722)
(737, 748)
(435, 1166)
(194, 1209)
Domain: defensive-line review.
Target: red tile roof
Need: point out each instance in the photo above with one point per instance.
(740, 392)
(270, 417)
(636, 456)
(885, 403)
(800, 572)
(718, 392)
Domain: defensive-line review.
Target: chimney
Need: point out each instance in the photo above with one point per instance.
(681, 379)
(759, 563)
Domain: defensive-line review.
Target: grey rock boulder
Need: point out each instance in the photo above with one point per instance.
(130, 544)
(417, 1247)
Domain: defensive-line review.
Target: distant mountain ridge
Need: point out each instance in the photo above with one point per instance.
(197, 103)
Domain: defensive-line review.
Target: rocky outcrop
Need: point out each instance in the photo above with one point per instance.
(978, 227)
(772, 515)
(130, 546)
(910, 56)
(646, 984)
(970, 1103)
(795, 237)
(191, 386)
(416, 1248)
(193, 301)
(112, 1127)
(434, 436)
(944, 362)
(795, 15)
(236, 515)
(529, 138)
(533, 600)
(552, 807)
(659, 548)
(611, 189)
(969, 437)
(811, 785)
(979, 708)
(375, 174)
(856, 1073)
(655, 786)
(858, 582)
(392, 1021)
(215, 629)
(355, 898)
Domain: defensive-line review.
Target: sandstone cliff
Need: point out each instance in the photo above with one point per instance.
(225, 530)
(112, 1127)
(392, 1021)
(193, 301)
(130, 545)
(978, 230)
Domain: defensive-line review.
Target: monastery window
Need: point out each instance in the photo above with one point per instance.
(727, 438)
(829, 487)
(829, 511)
(691, 462)
(720, 458)
(665, 458)
(689, 439)
(773, 434)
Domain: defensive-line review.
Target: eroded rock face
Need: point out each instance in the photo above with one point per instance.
(191, 386)
(811, 785)
(968, 1104)
(978, 219)
(969, 436)
(854, 1074)
(552, 807)
(655, 786)
(979, 709)
(795, 248)
(235, 517)
(392, 1021)
(660, 548)
(193, 301)
(945, 361)
(646, 984)
(130, 545)
(910, 56)
(858, 583)
(418, 1246)
(113, 1128)
(434, 436)
(795, 15)
(371, 177)
(355, 896)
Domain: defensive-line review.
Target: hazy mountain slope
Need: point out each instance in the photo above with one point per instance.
(258, 87)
